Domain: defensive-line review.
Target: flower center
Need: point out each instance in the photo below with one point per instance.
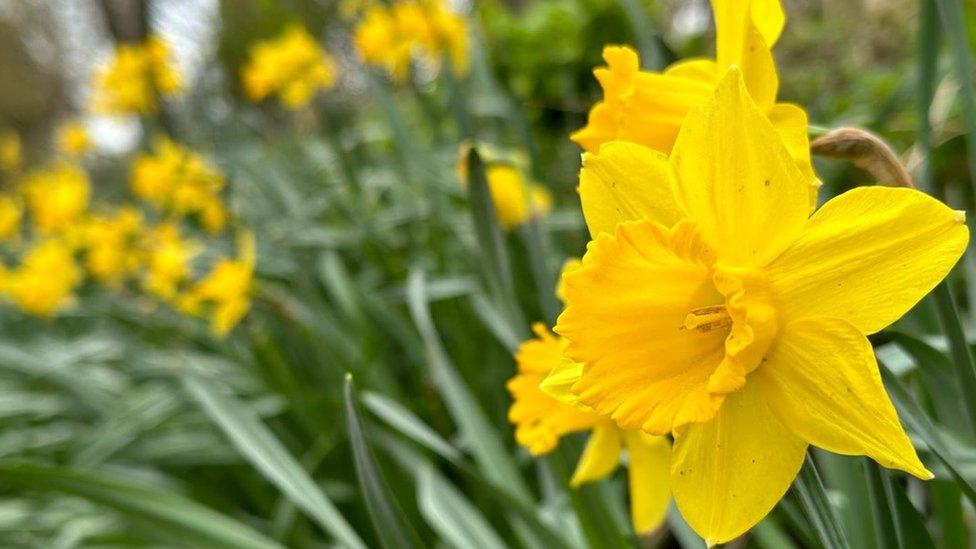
(706, 319)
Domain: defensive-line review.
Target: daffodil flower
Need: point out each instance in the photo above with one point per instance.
(648, 108)
(712, 305)
(541, 420)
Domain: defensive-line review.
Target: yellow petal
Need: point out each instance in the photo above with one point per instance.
(759, 71)
(601, 455)
(559, 383)
(704, 70)
(790, 122)
(769, 18)
(734, 177)
(728, 473)
(868, 256)
(649, 459)
(638, 106)
(822, 381)
(539, 419)
(625, 315)
(625, 182)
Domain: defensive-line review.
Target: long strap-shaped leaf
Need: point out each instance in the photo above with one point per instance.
(392, 528)
(259, 446)
(193, 523)
(812, 495)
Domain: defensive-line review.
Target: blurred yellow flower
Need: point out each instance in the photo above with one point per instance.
(135, 77)
(56, 197)
(711, 305)
(72, 139)
(180, 181)
(516, 200)
(291, 65)
(167, 258)
(45, 281)
(11, 213)
(541, 420)
(648, 108)
(227, 289)
(111, 245)
(390, 37)
(10, 151)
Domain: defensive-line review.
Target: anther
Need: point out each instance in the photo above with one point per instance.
(706, 319)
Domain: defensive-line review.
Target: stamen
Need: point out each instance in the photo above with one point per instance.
(706, 319)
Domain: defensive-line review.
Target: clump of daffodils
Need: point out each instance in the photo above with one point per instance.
(56, 197)
(180, 182)
(136, 77)
(11, 155)
(393, 37)
(516, 198)
(225, 293)
(45, 281)
(292, 66)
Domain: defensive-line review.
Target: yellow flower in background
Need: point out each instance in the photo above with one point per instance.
(227, 289)
(135, 77)
(167, 257)
(72, 139)
(45, 281)
(712, 305)
(56, 197)
(291, 65)
(11, 213)
(111, 245)
(516, 200)
(180, 181)
(11, 156)
(648, 108)
(391, 37)
(542, 420)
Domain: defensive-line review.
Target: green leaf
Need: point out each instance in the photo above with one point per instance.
(404, 421)
(962, 357)
(185, 519)
(451, 515)
(491, 241)
(909, 523)
(390, 524)
(884, 525)
(477, 433)
(920, 424)
(813, 497)
(259, 446)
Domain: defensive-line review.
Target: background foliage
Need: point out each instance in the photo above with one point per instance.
(362, 400)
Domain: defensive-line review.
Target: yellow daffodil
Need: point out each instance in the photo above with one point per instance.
(57, 197)
(45, 281)
(133, 79)
(390, 37)
(515, 199)
(11, 156)
(712, 305)
(180, 181)
(227, 289)
(11, 213)
(73, 139)
(648, 108)
(110, 244)
(541, 420)
(292, 66)
(168, 258)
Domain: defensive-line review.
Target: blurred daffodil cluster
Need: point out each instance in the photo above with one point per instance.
(394, 36)
(137, 76)
(291, 66)
(61, 241)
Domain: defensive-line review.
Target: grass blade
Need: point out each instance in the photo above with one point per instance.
(451, 515)
(812, 495)
(185, 519)
(962, 358)
(259, 446)
(476, 431)
(390, 524)
(884, 525)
